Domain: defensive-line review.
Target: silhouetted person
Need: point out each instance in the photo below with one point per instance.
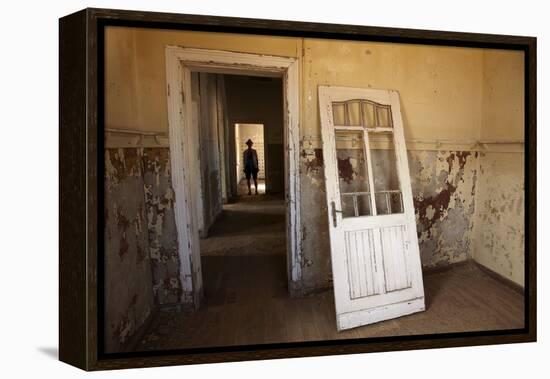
(250, 162)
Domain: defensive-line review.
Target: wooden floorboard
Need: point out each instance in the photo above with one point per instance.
(246, 297)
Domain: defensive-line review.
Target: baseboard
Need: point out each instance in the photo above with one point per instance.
(495, 275)
(296, 290)
(133, 342)
(443, 268)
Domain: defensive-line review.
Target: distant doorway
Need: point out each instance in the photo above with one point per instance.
(255, 133)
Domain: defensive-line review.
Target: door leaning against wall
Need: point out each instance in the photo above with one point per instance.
(374, 247)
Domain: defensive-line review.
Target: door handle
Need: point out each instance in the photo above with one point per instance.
(334, 211)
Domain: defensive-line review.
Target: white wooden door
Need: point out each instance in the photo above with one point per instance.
(374, 247)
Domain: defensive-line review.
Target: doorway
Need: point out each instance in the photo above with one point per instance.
(256, 134)
(186, 168)
(243, 242)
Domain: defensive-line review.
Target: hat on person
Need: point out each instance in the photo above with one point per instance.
(249, 142)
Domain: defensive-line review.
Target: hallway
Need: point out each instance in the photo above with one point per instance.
(244, 277)
(246, 299)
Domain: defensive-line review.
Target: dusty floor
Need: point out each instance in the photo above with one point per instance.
(242, 188)
(246, 299)
(255, 226)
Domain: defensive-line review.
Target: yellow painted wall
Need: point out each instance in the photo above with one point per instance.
(136, 79)
(121, 93)
(440, 87)
(503, 89)
(446, 92)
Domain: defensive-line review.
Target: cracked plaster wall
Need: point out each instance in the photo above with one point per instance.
(444, 185)
(141, 260)
(499, 224)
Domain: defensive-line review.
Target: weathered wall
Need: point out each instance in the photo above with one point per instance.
(444, 185)
(128, 301)
(161, 225)
(141, 260)
(445, 94)
(499, 224)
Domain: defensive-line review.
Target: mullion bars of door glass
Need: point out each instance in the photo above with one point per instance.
(362, 114)
(354, 120)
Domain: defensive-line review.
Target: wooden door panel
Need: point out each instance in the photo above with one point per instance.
(394, 258)
(361, 263)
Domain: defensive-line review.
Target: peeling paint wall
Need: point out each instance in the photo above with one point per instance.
(444, 185)
(500, 225)
(316, 264)
(161, 225)
(128, 278)
(141, 260)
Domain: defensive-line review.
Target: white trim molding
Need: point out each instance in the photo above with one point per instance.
(117, 138)
(421, 144)
(180, 61)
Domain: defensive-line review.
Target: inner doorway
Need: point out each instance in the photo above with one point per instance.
(243, 241)
(254, 133)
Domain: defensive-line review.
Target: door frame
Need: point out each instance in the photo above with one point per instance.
(183, 135)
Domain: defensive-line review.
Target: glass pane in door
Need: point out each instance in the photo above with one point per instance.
(353, 176)
(383, 116)
(387, 189)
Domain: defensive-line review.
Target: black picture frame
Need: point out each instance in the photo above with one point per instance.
(81, 126)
